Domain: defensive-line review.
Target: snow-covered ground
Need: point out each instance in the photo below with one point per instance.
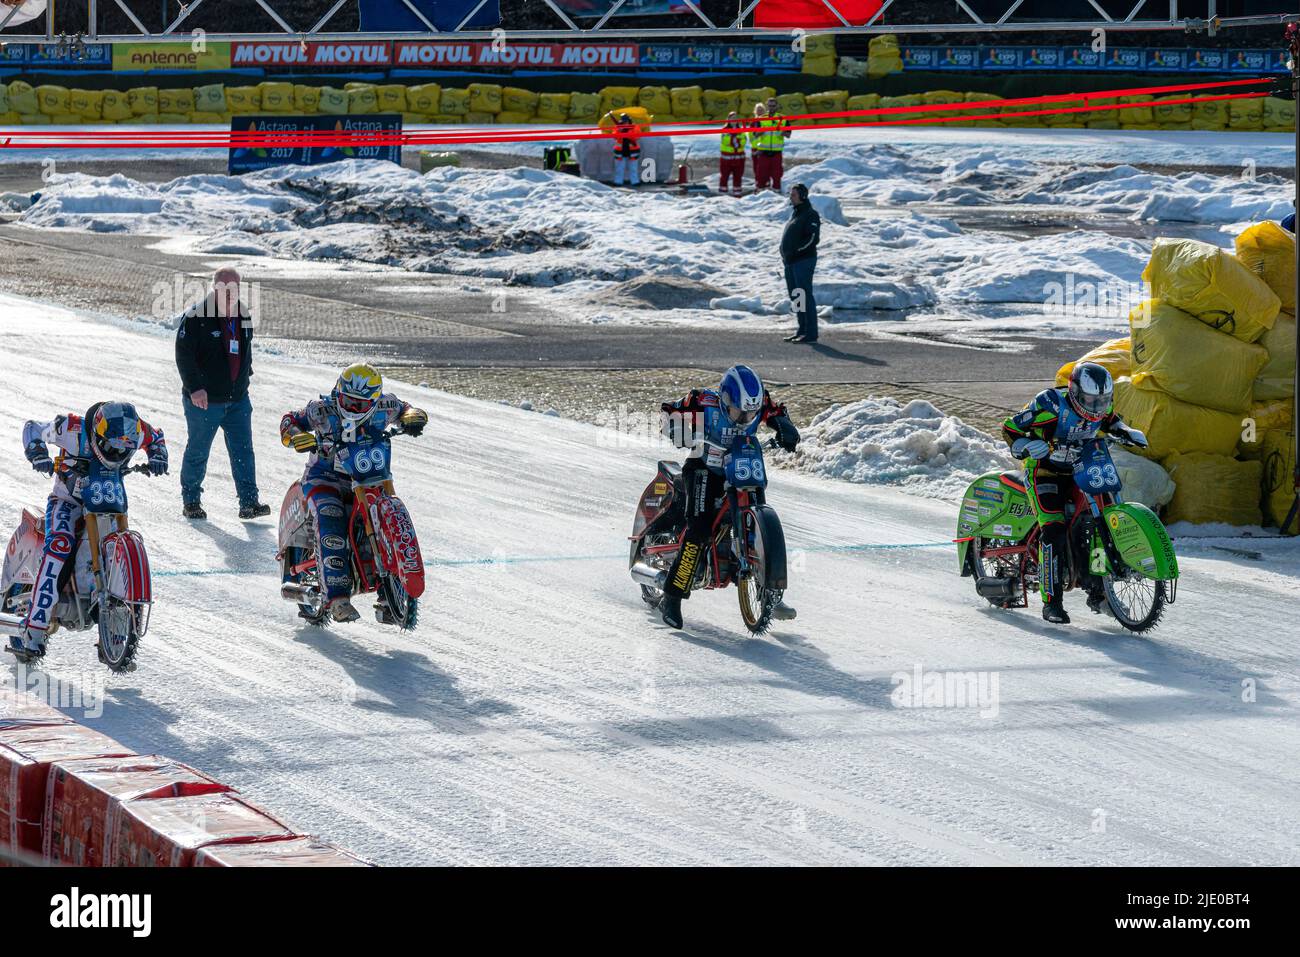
(540, 715)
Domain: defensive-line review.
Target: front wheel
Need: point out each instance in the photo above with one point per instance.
(1136, 602)
(403, 610)
(758, 599)
(120, 626)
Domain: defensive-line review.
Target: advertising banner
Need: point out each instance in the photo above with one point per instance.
(245, 159)
(434, 54)
(1120, 59)
(142, 57)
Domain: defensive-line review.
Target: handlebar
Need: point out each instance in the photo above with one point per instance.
(83, 469)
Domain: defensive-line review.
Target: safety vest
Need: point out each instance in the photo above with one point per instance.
(769, 136)
(627, 140)
(733, 140)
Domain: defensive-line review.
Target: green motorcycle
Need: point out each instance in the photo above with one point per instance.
(1120, 545)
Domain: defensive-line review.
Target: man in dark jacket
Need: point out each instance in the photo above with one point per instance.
(799, 254)
(214, 341)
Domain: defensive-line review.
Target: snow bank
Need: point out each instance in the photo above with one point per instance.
(884, 442)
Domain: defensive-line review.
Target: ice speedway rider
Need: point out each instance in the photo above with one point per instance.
(1047, 434)
(357, 408)
(738, 406)
(110, 433)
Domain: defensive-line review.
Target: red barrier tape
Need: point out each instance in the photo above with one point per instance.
(215, 139)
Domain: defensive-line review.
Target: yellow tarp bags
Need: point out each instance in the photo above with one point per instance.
(1114, 355)
(1246, 114)
(1172, 425)
(199, 116)
(718, 103)
(1268, 250)
(511, 118)
(883, 56)
(276, 97)
(4, 99)
(637, 114)
(1213, 488)
(584, 108)
(836, 101)
(1134, 115)
(1166, 112)
(1210, 116)
(116, 105)
(656, 100)
(479, 118)
(243, 99)
(87, 104)
(173, 119)
(425, 98)
(818, 65)
(175, 101)
(517, 100)
(1212, 285)
(1279, 114)
(484, 98)
(1277, 379)
(553, 107)
(1189, 360)
(1264, 417)
(617, 98)
(687, 101)
(306, 99)
(143, 100)
(34, 119)
(363, 99)
(53, 100)
(391, 98)
(332, 100)
(456, 102)
(751, 98)
(212, 99)
(1277, 483)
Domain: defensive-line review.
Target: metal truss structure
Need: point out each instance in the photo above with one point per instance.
(1143, 15)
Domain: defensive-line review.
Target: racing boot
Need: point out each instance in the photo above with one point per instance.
(1055, 612)
(29, 646)
(1051, 551)
(341, 610)
(670, 607)
(784, 612)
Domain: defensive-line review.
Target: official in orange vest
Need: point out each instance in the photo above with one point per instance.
(627, 152)
(731, 155)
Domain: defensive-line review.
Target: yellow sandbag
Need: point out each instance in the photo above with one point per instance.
(1268, 250)
(276, 97)
(1277, 482)
(1172, 425)
(656, 99)
(332, 100)
(425, 98)
(391, 98)
(836, 101)
(53, 99)
(10, 118)
(1174, 353)
(940, 98)
(1277, 379)
(87, 104)
(480, 118)
(484, 98)
(363, 99)
(796, 104)
(1113, 355)
(509, 116)
(752, 97)
(883, 64)
(357, 85)
(210, 99)
(818, 65)
(1264, 417)
(4, 99)
(445, 118)
(306, 99)
(413, 118)
(897, 102)
(618, 98)
(637, 114)
(1167, 112)
(719, 103)
(200, 116)
(1212, 285)
(1279, 114)
(1212, 115)
(116, 105)
(22, 98)
(67, 119)
(241, 100)
(176, 101)
(456, 101)
(173, 119)
(143, 100)
(1213, 488)
(1137, 114)
(35, 119)
(517, 100)
(821, 44)
(553, 107)
(1246, 114)
(687, 101)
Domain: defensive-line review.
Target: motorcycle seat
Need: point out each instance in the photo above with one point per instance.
(1014, 479)
(672, 469)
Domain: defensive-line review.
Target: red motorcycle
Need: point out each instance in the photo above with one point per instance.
(385, 552)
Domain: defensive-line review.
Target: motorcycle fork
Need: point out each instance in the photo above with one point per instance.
(738, 534)
(94, 542)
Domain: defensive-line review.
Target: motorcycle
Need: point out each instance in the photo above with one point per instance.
(1123, 546)
(385, 552)
(109, 587)
(747, 544)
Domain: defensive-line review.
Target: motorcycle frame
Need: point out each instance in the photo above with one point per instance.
(364, 501)
(736, 502)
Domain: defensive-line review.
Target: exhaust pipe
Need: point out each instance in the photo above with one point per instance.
(643, 574)
(998, 587)
(302, 594)
(10, 625)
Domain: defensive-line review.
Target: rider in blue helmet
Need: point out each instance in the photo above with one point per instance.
(738, 406)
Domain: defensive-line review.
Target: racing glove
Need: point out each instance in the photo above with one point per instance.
(1129, 435)
(157, 459)
(787, 436)
(302, 441)
(1030, 449)
(39, 456)
(414, 420)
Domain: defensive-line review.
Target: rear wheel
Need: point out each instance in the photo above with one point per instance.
(315, 611)
(757, 599)
(1009, 568)
(649, 594)
(120, 628)
(1136, 602)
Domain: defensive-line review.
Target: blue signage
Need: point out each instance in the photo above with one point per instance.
(1126, 59)
(246, 159)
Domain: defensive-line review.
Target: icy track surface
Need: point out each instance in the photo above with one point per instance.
(539, 714)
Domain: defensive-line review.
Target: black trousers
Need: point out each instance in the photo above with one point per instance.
(798, 282)
(703, 489)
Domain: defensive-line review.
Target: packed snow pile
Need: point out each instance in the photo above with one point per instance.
(884, 442)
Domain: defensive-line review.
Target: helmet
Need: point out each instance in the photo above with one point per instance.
(1091, 390)
(115, 433)
(357, 391)
(741, 395)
